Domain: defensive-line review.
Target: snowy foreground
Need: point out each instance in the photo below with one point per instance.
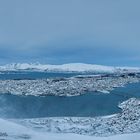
(126, 123)
(13, 131)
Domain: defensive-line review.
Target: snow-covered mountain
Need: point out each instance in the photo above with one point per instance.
(71, 67)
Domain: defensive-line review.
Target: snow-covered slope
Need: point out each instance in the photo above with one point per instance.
(13, 131)
(72, 67)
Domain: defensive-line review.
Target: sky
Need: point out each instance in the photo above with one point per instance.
(105, 32)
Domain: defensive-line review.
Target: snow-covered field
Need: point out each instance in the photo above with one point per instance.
(13, 131)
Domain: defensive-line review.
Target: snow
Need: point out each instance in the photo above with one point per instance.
(125, 122)
(71, 67)
(72, 86)
(15, 131)
(113, 126)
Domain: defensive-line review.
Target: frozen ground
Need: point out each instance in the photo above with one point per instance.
(13, 131)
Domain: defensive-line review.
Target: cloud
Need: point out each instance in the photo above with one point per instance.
(64, 31)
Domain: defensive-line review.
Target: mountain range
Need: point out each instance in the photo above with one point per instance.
(71, 67)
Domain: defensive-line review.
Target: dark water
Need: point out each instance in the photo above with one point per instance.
(88, 105)
(34, 75)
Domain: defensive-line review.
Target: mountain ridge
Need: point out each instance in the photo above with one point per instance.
(70, 67)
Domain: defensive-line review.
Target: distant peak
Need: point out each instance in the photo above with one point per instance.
(70, 67)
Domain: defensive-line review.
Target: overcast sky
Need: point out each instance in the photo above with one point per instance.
(62, 31)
